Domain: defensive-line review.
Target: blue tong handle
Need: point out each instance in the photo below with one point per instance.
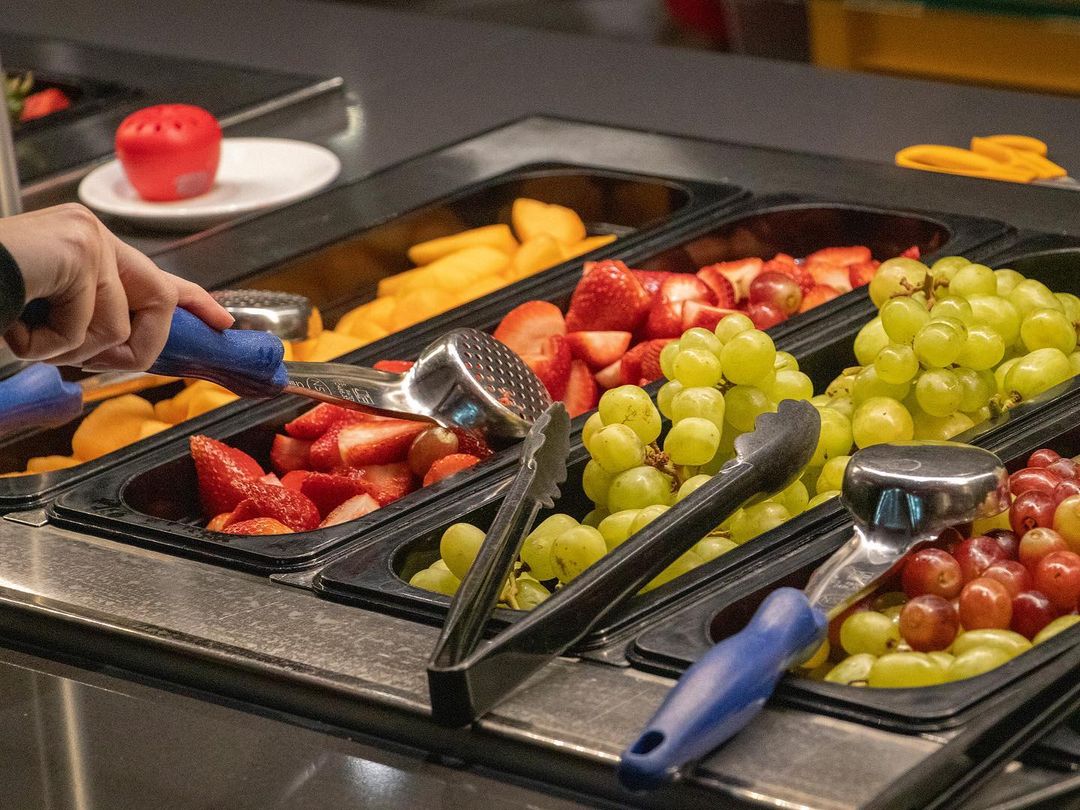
(247, 362)
(723, 691)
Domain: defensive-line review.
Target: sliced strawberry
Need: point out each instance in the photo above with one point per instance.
(288, 453)
(608, 298)
(740, 273)
(552, 365)
(703, 315)
(472, 442)
(840, 256)
(223, 473)
(259, 525)
(783, 263)
(912, 252)
(383, 482)
(292, 508)
(394, 366)
(448, 465)
(598, 349)
(862, 274)
(527, 328)
(723, 292)
(271, 480)
(295, 480)
(314, 423)
(818, 295)
(765, 315)
(664, 320)
(831, 275)
(651, 281)
(686, 287)
(356, 507)
(325, 453)
(582, 394)
(219, 522)
(630, 367)
(607, 377)
(379, 442)
(650, 359)
(328, 491)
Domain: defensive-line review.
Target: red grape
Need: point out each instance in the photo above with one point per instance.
(1057, 575)
(1031, 612)
(985, 603)
(932, 571)
(1037, 543)
(777, 290)
(1013, 575)
(1031, 509)
(1066, 489)
(1008, 541)
(1029, 478)
(976, 554)
(429, 446)
(765, 315)
(1043, 458)
(928, 622)
(1064, 468)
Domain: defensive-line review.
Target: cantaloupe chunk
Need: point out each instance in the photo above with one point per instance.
(587, 244)
(42, 464)
(496, 236)
(111, 425)
(538, 253)
(533, 217)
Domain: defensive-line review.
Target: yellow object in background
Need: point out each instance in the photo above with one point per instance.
(1013, 158)
(533, 217)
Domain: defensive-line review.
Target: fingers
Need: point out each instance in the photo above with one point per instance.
(199, 302)
(70, 312)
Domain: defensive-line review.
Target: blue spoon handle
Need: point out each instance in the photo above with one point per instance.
(247, 362)
(38, 397)
(725, 689)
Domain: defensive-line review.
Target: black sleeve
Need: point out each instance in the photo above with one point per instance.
(12, 290)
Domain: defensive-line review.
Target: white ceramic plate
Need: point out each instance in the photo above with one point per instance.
(254, 174)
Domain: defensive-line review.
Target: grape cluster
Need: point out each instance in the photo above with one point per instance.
(975, 603)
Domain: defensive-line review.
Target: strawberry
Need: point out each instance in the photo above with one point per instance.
(288, 453)
(651, 281)
(260, 525)
(314, 423)
(664, 320)
(219, 522)
(223, 473)
(719, 285)
(831, 275)
(394, 366)
(328, 491)
(862, 274)
(271, 480)
(552, 365)
(740, 273)
(912, 252)
(383, 482)
(598, 349)
(608, 298)
(448, 465)
(292, 508)
(607, 377)
(650, 359)
(765, 315)
(295, 480)
(379, 442)
(581, 392)
(325, 453)
(703, 315)
(818, 295)
(526, 328)
(783, 263)
(630, 367)
(840, 256)
(356, 507)
(686, 287)
(472, 442)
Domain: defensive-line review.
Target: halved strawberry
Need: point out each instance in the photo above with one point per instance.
(598, 349)
(552, 365)
(395, 366)
(383, 482)
(650, 358)
(292, 508)
(740, 273)
(219, 522)
(607, 377)
(686, 287)
(723, 292)
(630, 366)
(295, 480)
(703, 315)
(582, 394)
(325, 453)
(314, 423)
(356, 507)
(271, 480)
(818, 295)
(840, 256)
(664, 320)
(912, 252)
(862, 273)
(328, 491)
(223, 474)
(651, 281)
(259, 525)
(783, 263)
(288, 453)
(379, 442)
(831, 275)
(448, 465)
(527, 327)
(472, 442)
(608, 298)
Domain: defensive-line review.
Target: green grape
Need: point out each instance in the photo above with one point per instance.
(692, 441)
(975, 279)
(1074, 362)
(794, 497)
(941, 428)
(868, 631)
(665, 396)
(594, 517)
(638, 488)
(880, 420)
(936, 345)
(937, 392)
(748, 357)
(646, 516)
(731, 325)
(832, 474)
(667, 359)
(1058, 625)
(853, 670)
(1006, 280)
(744, 404)
(941, 658)
(631, 406)
(978, 416)
(1047, 328)
(592, 424)
(575, 550)
(615, 528)
(458, 547)
(897, 277)
(843, 405)
(1071, 306)
(596, 481)
(438, 580)
(905, 669)
(835, 437)
(953, 307)
(758, 519)
(712, 547)
(690, 486)
(997, 313)
(976, 388)
(955, 323)
(698, 338)
(1029, 295)
(902, 318)
(868, 385)
(703, 403)
(870, 340)
(684, 564)
(1007, 640)
(789, 384)
(1038, 371)
(976, 661)
(536, 548)
(1001, 374)
(945, 268)
(785, 361)
(617, 448)
(896, 364)
(695, 367)
(821, 498)
(983, 348)
(530, 593)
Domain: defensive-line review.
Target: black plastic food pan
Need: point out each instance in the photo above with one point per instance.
(87, 96)
(671, 644)
(346, 273)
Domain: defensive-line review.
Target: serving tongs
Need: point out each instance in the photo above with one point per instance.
(467, 678)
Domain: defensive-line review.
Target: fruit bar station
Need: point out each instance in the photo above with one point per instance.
(108, 561)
